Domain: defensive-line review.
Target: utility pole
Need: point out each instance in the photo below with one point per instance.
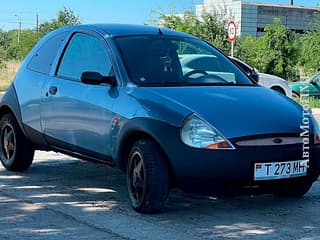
(19, 30)
(37, 24)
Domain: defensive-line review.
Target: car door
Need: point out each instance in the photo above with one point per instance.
(37, 68)
(314, 87)
(76, 116)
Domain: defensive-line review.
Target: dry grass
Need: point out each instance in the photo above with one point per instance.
(7, 74)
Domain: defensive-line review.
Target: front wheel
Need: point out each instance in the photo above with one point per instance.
(147, 177)
(16, 152)
(295, 95)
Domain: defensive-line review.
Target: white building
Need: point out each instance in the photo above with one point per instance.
(251, 18)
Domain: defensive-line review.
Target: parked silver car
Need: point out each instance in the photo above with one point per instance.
(267, 80)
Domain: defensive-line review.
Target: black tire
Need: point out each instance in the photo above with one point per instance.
(294, 189)
(295, 95)
(147, 177)
(16, 152)
(279, 90)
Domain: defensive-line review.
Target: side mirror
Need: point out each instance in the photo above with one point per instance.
(95, 78)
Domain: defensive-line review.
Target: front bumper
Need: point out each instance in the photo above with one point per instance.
(232, 171)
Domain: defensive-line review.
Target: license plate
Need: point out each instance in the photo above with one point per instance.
(279, 170)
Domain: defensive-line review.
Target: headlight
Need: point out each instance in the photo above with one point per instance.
(197, 133)
(316, 130)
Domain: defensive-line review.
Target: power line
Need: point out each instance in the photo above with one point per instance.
(22, 22)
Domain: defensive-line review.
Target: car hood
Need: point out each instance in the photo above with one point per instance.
(235, 111)
(297, 85)
(271, 77)
(302, 83)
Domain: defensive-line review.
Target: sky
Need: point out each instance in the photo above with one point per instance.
(98, 11)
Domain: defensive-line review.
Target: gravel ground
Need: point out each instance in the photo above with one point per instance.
(61, 197)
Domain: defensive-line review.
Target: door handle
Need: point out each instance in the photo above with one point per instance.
(53, 90)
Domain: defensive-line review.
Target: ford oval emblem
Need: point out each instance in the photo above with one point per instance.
(277, 140)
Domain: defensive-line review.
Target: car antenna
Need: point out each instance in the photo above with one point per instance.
(160, 32)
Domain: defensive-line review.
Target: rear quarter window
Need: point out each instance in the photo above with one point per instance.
(43, 58)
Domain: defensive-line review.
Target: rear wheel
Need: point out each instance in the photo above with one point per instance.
(147, 177)
(279, 90)
(295, 95)
(16, 151)
(294, 189)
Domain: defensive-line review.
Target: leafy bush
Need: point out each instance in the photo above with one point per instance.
(312, 102)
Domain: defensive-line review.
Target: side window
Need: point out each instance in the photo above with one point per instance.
(43, 59)
(316, 79)
(84, 53)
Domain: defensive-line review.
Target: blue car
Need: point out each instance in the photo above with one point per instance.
(119, 94)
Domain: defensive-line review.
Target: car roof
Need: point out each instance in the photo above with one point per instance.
(115, 30)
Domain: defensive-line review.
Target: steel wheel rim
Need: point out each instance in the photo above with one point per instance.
(8, 140)
(136, 177)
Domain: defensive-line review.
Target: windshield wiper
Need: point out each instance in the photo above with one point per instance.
(181, 84)
(205, 84)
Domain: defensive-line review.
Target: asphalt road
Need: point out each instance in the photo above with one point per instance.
(60, 197)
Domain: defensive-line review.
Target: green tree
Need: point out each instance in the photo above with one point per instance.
(246, 49)
(27, 40)
(186, 23)
(2, 57)
(278, 52)
(11, 44)
(64, 17)
(5, 40)
(310, 57)
(2, 51)
(214, 30)
(15, 50)
(210, 27)
(29, 37)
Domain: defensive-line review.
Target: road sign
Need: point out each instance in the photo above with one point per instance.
(232, 31)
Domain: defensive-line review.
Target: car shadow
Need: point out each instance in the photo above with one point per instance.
(96, 191)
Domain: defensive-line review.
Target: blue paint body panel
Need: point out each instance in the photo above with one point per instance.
(234, 113)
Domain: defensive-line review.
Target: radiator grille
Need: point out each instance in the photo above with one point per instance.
(272, 141)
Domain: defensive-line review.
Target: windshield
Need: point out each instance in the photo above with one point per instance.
(314, 78)
(164, 60)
